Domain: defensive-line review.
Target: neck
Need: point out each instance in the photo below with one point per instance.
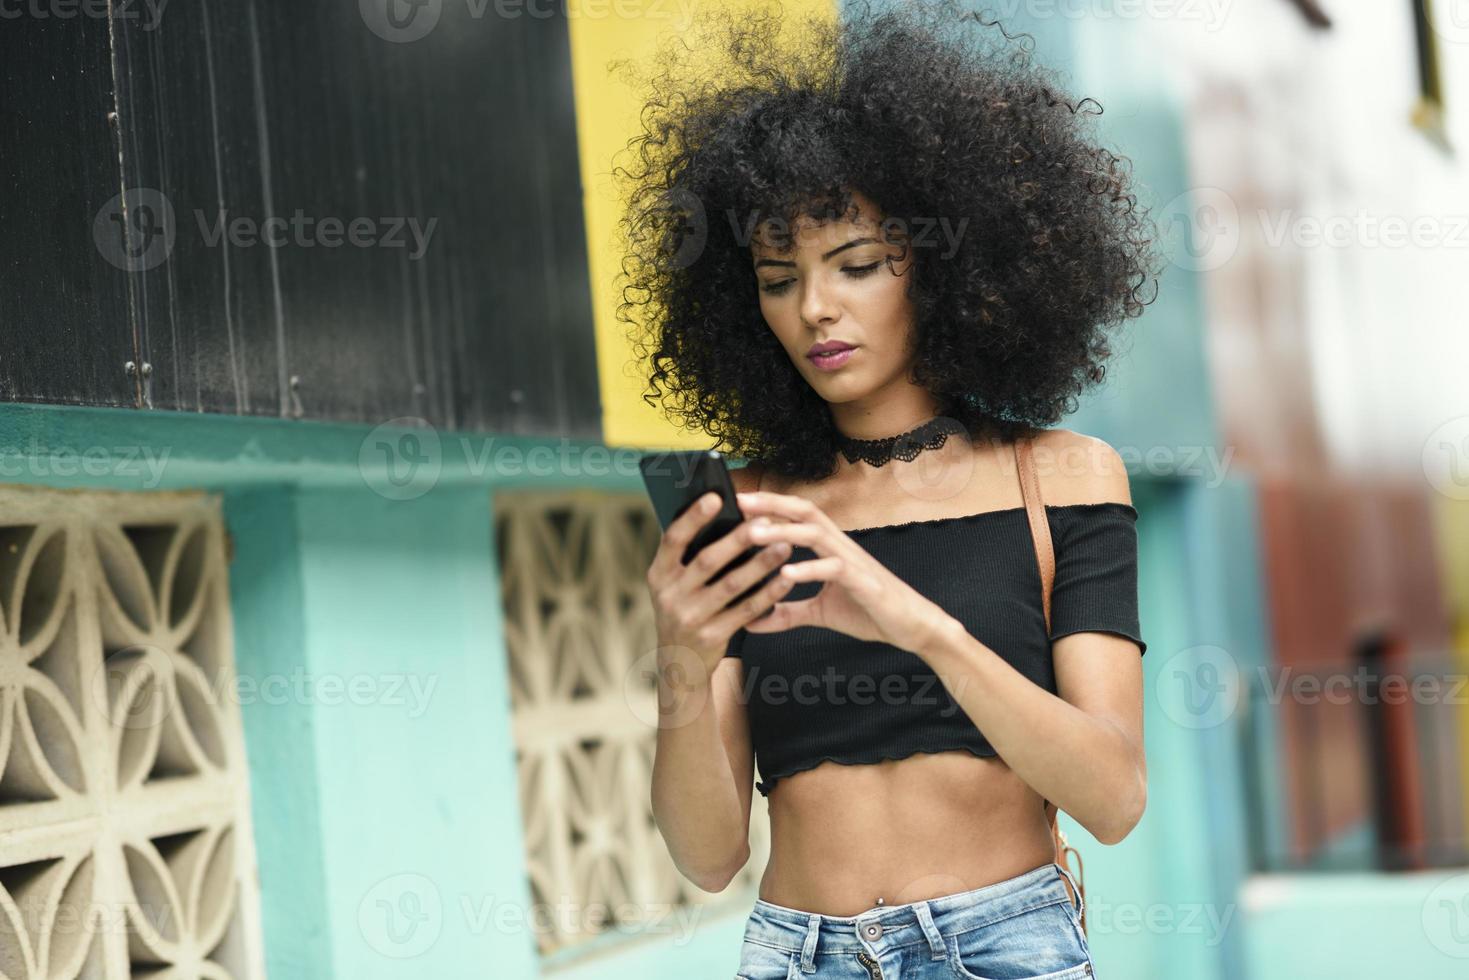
(856, 421)
(888, 432)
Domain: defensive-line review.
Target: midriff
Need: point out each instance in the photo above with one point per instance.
(903, 830)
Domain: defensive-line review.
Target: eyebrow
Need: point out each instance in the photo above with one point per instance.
(840, 248)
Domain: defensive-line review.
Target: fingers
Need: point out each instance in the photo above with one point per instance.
(822, 569)
(708, 602)
(814, 536)
(714, 556)
(752, 607)
(803, 612)
(781, 505)
(679, 533)
(786, 615)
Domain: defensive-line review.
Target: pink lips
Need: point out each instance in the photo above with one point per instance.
(832, 361)
(830, 355)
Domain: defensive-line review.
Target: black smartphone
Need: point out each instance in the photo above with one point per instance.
(675, 480)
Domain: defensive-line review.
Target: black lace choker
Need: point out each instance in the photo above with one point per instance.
(905, 445)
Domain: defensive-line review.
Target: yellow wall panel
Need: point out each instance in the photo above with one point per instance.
(607, 111)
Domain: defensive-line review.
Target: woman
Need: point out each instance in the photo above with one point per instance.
(876, 261)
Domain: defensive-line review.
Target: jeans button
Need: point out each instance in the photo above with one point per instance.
(872, 931)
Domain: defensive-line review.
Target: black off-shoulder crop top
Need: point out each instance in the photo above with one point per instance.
(815, 694)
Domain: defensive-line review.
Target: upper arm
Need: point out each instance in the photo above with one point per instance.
(1102, 674)
(1097, 671)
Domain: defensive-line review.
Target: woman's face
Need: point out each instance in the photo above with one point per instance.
(835, 283)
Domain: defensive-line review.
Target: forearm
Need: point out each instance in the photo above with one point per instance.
(1083, 764)
(695, 805)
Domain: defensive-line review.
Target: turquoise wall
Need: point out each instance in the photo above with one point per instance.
(1360, 925)
(279, 740)
(385, 808)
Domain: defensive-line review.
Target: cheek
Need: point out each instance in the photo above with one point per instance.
(782, 318)
(887, 307)
(774, 311)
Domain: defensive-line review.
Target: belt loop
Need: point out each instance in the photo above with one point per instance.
(1080, 901)
(935, 938)
(808, 951)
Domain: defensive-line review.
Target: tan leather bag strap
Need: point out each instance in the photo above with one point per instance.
(1045, 556)
(1040, 526)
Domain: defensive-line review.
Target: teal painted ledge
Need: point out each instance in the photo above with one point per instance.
(127, 449)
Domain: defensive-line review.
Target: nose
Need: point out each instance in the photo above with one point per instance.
(816, 304)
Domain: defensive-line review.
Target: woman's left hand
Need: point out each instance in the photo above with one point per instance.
(859, 596)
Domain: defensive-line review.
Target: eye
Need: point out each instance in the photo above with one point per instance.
(855, 272)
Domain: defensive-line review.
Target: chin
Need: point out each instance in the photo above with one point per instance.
(838, 393)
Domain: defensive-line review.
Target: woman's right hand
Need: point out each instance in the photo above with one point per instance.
(688, 608)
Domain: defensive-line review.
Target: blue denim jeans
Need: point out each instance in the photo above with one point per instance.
(1022, 928)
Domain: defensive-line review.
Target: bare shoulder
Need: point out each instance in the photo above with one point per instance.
(747, 477)
(1075, 468)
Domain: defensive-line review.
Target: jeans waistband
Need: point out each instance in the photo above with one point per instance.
(892, 926)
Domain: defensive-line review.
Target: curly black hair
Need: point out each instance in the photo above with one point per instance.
(932, 112)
